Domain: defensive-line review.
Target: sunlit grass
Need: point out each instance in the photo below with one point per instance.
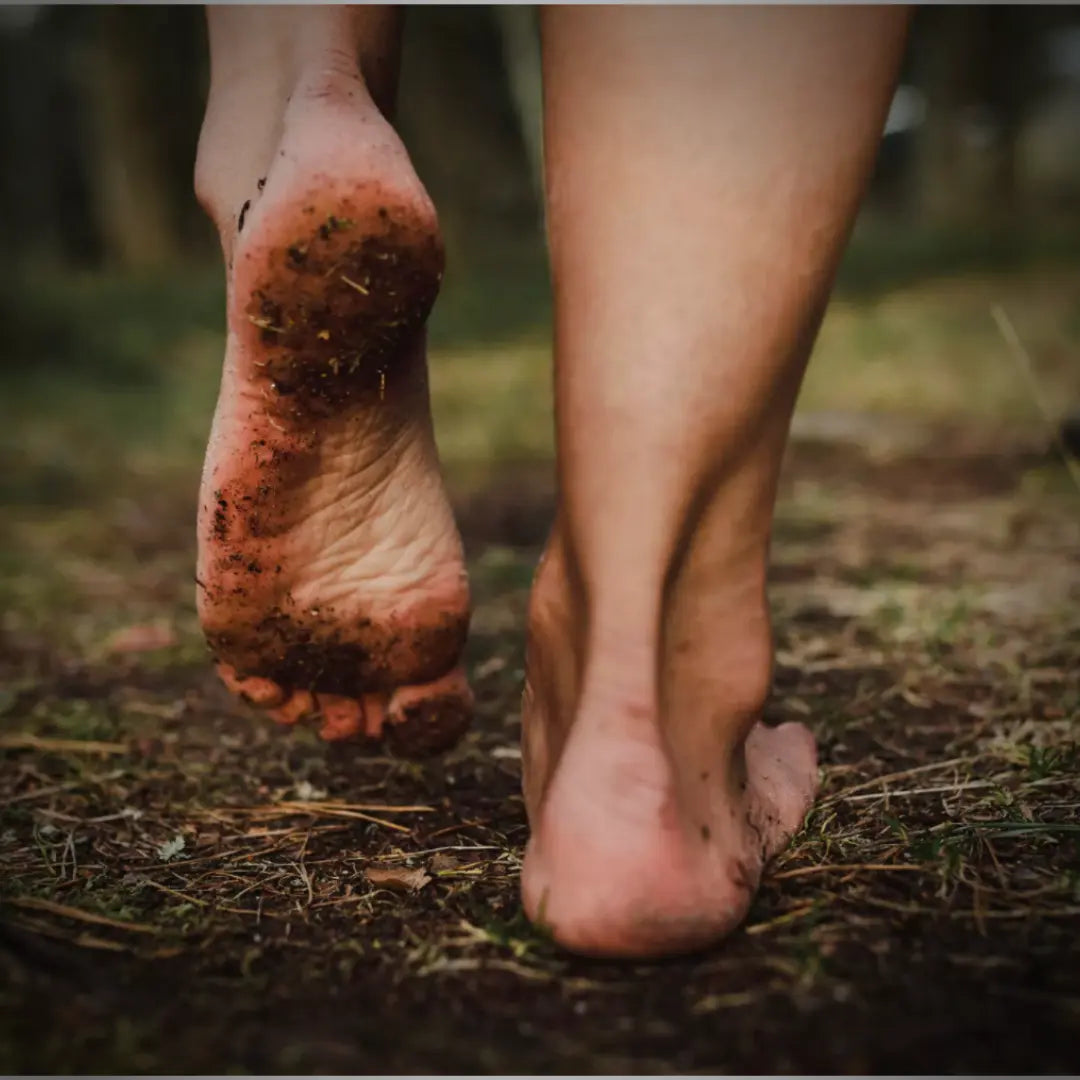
(109, 383)
(933, 350)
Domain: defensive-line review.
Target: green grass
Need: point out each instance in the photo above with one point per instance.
(109, 381)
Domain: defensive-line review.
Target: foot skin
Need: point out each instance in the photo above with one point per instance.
(651, 826)
(331, 582)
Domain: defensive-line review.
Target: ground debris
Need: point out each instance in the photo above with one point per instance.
(322, 902)
(402, 879)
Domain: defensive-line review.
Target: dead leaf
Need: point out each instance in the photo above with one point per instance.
(171, 848)
(489, 667)
(143, 637)
(442, 861)
(307, 792)
(402, 879)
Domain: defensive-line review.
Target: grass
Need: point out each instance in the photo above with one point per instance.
(185, 888)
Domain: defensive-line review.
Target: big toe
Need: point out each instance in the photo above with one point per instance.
(427, 718)
(342, 717)
(782, 766)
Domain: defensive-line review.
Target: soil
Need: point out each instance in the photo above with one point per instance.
(186, 889)
(337, 285)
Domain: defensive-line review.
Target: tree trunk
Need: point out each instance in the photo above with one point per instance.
(1014, 78)
(521, 54)
(456, 117)
(125, 148)
(944, 45)
(28, 224)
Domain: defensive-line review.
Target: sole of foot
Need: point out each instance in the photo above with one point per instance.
(331, 582)
(650, 830)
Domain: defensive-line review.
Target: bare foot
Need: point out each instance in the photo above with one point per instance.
(653, 812)
(688, 285)
(330, 575)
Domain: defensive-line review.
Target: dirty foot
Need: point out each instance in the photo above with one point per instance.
(654, 802)
(330, 577)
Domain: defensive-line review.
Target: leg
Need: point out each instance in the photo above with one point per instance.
(704, 167)
(330, 573)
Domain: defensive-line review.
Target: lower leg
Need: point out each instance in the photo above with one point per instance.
(704, 168)
(330, 572)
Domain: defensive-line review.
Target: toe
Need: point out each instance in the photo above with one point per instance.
(343, 717)
(783, 764)
(374, 715)
(259, 691)
(301, 704)
(429, 717)
(797, 751)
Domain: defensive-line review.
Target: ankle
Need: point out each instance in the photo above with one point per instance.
(246, 118)
(705, 641)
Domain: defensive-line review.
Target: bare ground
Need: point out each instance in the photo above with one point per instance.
(185, 888)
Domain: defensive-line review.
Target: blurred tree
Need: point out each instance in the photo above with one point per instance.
(943, 42)
(520, 32)
(127, 167)
(983, 71)
(99, 118)
(101, 108)
(140, 72)
(458, 119)
(42, 187)
(1015, 78)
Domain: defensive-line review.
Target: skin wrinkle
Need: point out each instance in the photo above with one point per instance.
(317, 575)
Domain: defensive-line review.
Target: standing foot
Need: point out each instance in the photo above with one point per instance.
(653, 810)
(704, 165)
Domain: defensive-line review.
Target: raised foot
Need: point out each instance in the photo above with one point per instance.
(331, 579)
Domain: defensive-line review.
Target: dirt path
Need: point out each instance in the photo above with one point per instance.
(186, 890)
